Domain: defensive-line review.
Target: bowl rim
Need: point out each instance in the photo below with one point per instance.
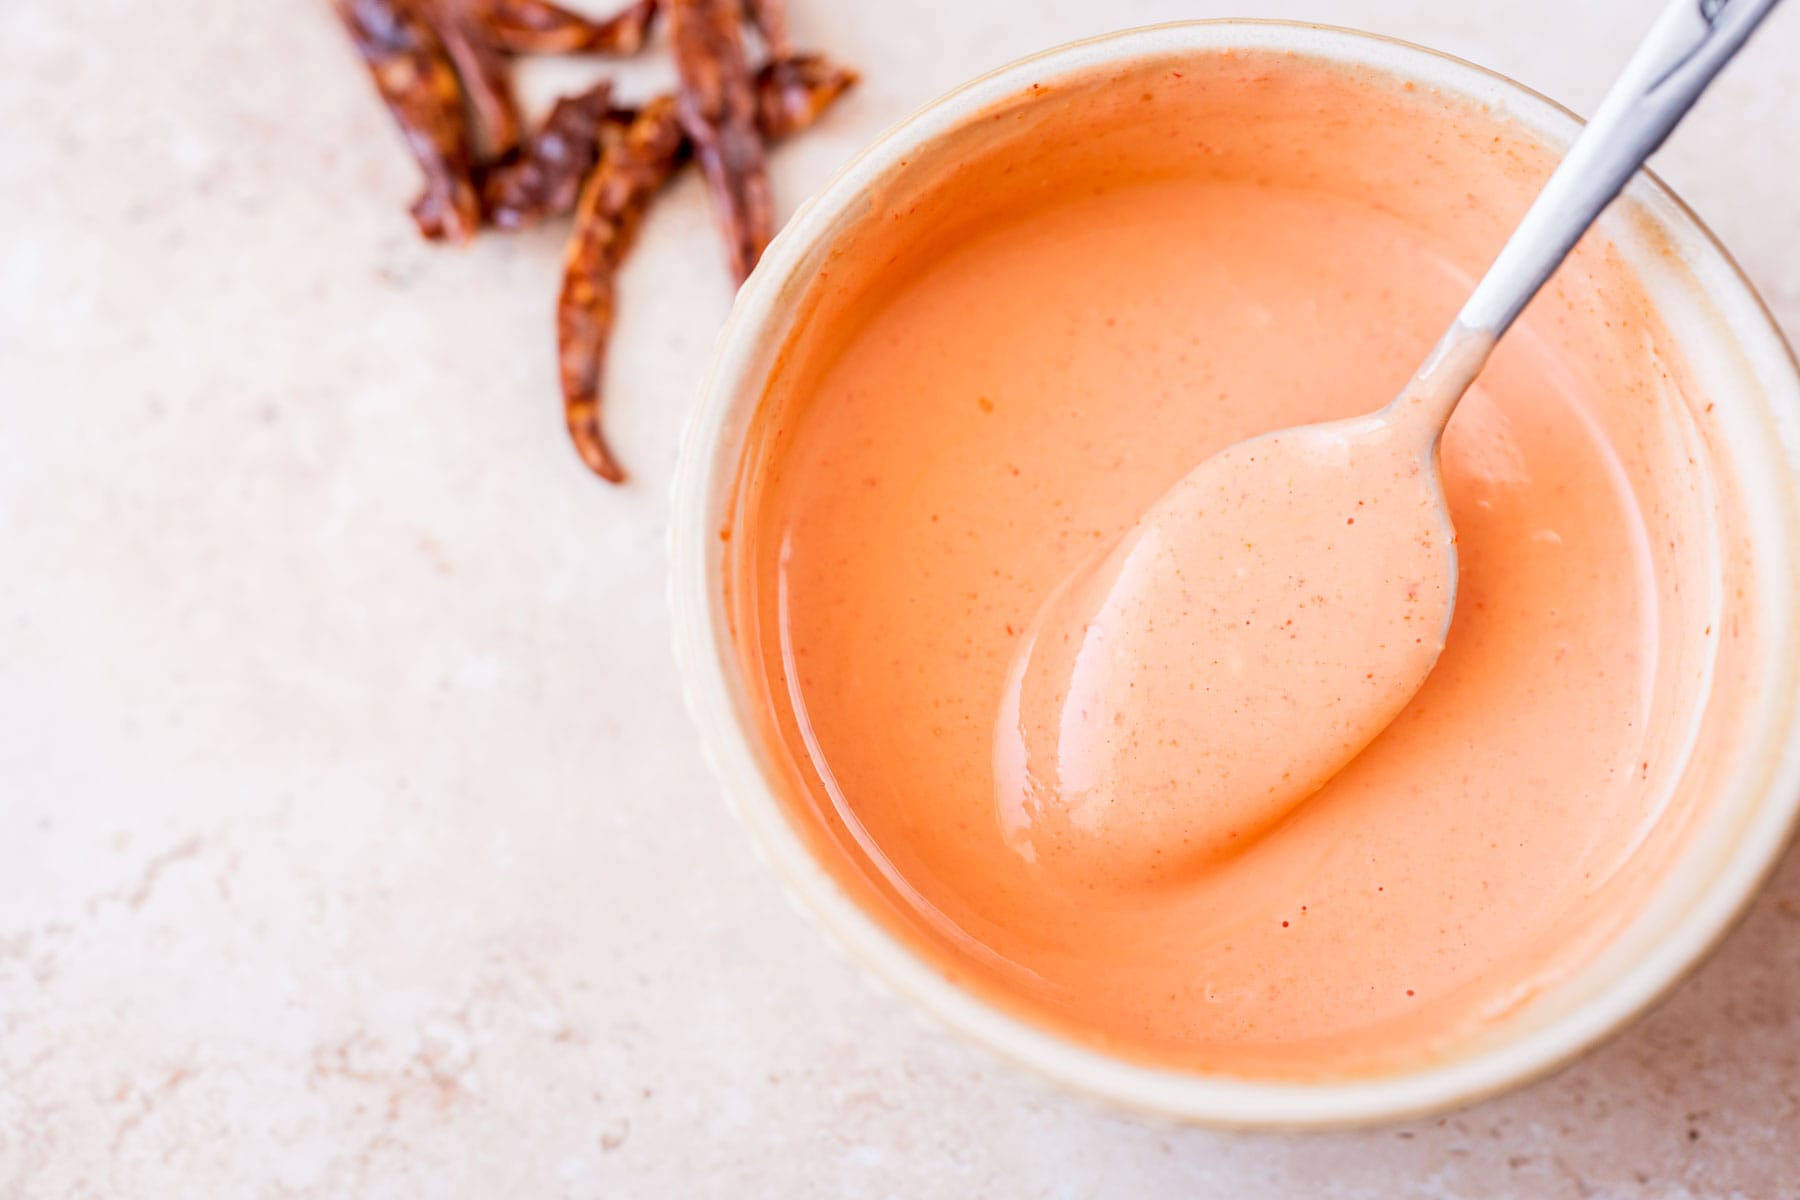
(702, 636)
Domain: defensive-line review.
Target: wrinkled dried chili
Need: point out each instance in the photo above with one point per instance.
(769, 19)
(541, 27)
(542, 180)
(717, 103)
(486, 79)
(791, 95)
(792, 92)
(413, 72)
(437, 63)
(636, 159)
(545, 177)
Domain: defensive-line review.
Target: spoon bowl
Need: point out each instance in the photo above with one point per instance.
(1255, 629)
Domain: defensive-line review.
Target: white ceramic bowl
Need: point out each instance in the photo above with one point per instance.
(1736, 349)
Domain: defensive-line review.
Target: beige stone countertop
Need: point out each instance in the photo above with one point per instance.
(353, 838)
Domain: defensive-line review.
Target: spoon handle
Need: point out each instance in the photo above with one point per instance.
(1686, 47)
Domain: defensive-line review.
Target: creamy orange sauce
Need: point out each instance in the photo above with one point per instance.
(1020, 349)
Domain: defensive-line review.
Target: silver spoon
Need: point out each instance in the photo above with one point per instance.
(1303, 581)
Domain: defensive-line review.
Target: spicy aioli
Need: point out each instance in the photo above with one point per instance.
(947, 448)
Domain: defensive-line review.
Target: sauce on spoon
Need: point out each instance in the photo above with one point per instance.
(1255, 629)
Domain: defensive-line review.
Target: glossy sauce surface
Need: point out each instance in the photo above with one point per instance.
(949, 447)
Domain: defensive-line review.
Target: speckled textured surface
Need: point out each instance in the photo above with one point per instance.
(355, 840)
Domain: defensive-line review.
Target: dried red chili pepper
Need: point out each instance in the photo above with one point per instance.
(640, 152)
(540, 27)
(717, 103)
(437, 62)
(486, 79)
(636, 159)
(769, 19)
(544, 178)
(413, 73)
(792, 92)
